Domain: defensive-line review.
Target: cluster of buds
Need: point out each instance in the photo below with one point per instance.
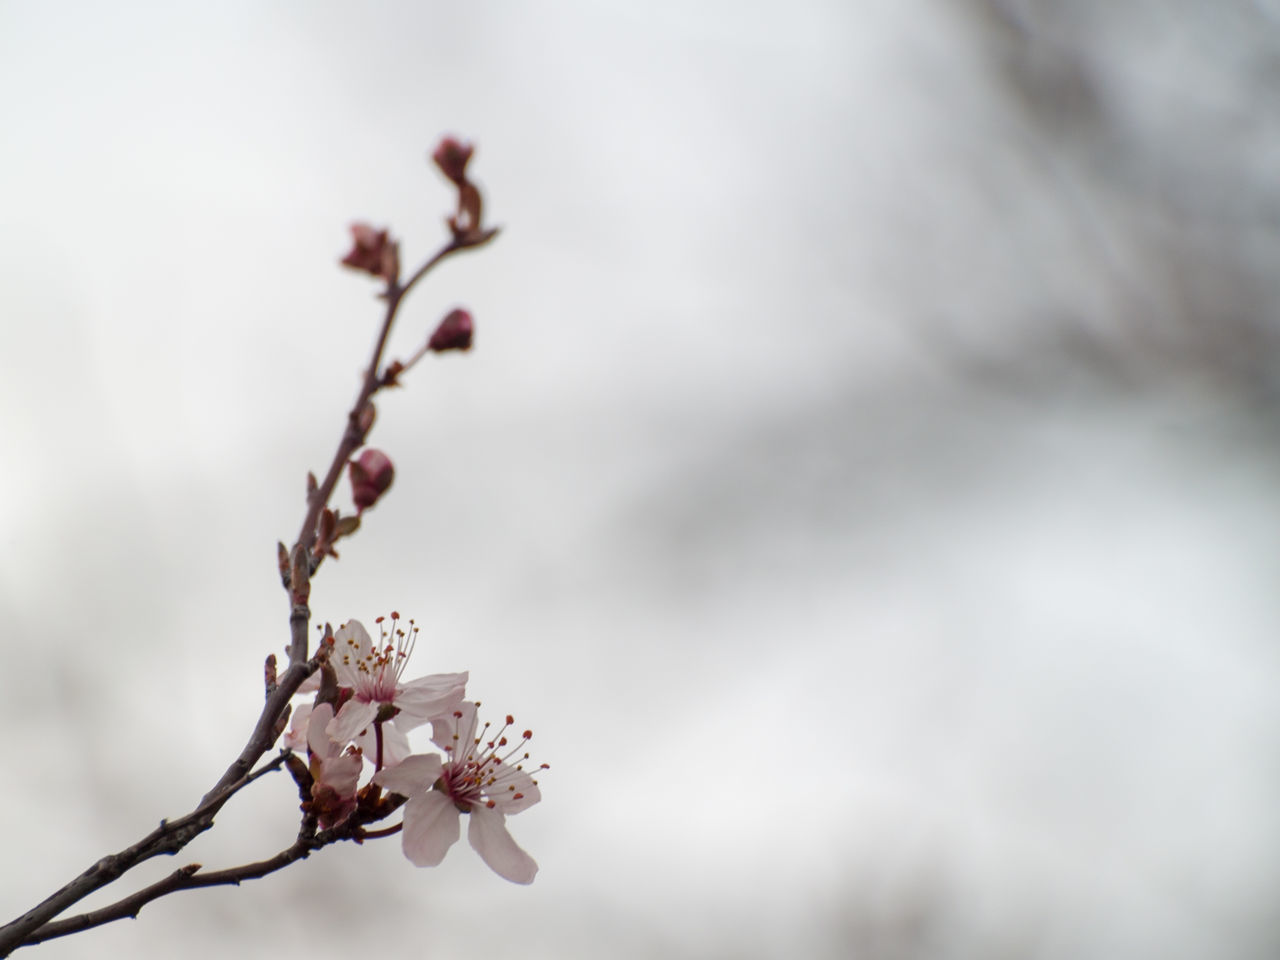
(363, 713)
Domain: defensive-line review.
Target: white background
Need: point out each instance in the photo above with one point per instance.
(863, 483)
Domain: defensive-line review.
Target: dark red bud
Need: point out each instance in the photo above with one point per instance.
(371, 475)
(373, 252)
(454, 333)
(452, 156)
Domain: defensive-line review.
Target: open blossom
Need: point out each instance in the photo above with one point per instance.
(335, 770)
(372, 674)
(477, 778)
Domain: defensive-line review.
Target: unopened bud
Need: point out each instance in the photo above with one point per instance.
(452, 156)
(373, 252)
(371, 475)
(454, 333)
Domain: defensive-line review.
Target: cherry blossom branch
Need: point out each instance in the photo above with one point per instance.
(188, 878)
(172, 835)
(321, 528)
(168, 838)
(358, 422)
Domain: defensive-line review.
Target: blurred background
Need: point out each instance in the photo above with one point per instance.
(864, 482)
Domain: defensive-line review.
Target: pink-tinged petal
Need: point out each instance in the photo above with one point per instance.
(395, 745)
(311, 684)
(448, 730)
(343, 773)
(412, 776)
(488, 835)
(354, 716)
(518, 791)
(351, 646)
(420, 700)
(295, 737)
(430, 828)
(318, 741)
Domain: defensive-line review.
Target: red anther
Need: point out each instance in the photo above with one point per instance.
(510, 718)
(502, 742)
(528, 734)
(491, 804)
(379, 619)
(394, 615)
(517, 796)
(458, 714)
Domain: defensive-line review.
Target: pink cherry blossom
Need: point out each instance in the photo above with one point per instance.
(476, 778)
(377, 692)
(335, 770)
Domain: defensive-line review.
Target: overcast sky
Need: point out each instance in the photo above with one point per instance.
(863, 482)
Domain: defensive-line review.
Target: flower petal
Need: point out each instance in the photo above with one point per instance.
(318, 740)
(430, 827)
(351, 646)
(295, 738)
(488, 835)
(420, 700)
(395, 745)
(342, 773)
(449, 732)
(411, 777)
(512, 782)
(354, 716)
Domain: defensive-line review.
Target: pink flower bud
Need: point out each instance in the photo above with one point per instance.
(454, 333)
(371, 475)
(373, 252)
(452, 157)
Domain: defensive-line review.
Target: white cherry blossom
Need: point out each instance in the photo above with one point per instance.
(373, 674)
(477, 777)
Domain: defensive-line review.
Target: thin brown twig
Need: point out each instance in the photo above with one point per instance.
(187, 878)
(353, 436)
(172, 836)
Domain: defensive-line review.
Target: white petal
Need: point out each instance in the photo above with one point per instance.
(342, 773)
(512, 781)
(354, 716)
(488, 835)
(411, 776)
(311, 684)
(445, 727)
(420, 700)
(395, 745)
(295, 737)
(317, 739)
(351, 644)
(430, 828)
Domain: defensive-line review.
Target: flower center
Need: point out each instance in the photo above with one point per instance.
(378, 671)
(480, 770)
